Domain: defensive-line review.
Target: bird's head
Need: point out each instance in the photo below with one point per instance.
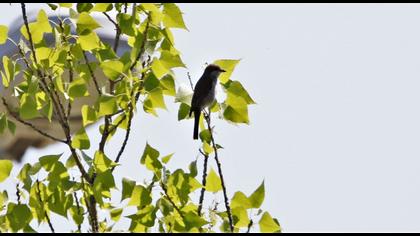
(213, 70)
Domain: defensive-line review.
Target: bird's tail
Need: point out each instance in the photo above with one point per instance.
(196, 123)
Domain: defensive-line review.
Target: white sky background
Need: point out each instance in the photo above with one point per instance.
(335, 133)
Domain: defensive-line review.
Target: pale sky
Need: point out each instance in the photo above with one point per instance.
(335, 132)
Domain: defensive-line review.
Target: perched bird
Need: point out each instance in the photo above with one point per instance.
(13, 147)
(204, 93)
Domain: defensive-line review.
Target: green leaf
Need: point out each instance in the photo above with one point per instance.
(205, 136)
(183, 111)
(102, 7)
(166, 159)
(59, 202)
(38, 28)
(103, 184)
(167, 83)
(213, 183)
(49, 161)
(193, 168)
(18, 216)
(127, 188)
(155, 14)
(84, 7)
(107, 105)
(126, 23)
(5, 169)
(116, 214)
(154, 100)
(3, 33)
(28, 107)
(257, 197)
(235, 88)
(159, 69)
(112, 69)
(192, 220)
(140, 197)
(151, 82)
(172, 16)
(240, 200)
(236, 110)
(89, 41)
(77, 215)
(81, 140)
(101, 162)
(228, 65)
(268, 224)
(170, 60)
(78, 88)
(11, 69)
(25, 177)
(150, 158)
(66, 5)
(240, 217)
(52, 6)
(89, 115)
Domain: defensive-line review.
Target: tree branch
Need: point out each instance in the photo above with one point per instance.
(203, 183)
(219, 168)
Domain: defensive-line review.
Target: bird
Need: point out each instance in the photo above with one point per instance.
(14, 146)
(204, 93)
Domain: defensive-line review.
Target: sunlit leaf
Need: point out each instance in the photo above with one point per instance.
(81, 140)
(28, 107)
(78, 88)
(89, 41)
(268, 224)
(173, 16)
(101, 162)
(183, 111)
(240, 217)
(112, 69)
(240, 200)
(3, 33)
(228, 65)
(102, 7)
(213, 182)
(140, 197)
(88, 115)
(257, 197)
(5, 169)
(127, 188)
(107, 105)
(116, 214)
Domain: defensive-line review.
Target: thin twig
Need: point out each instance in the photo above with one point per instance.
(127, 135)
(42, 205)
(249, 226)
(17, 118)
(18, 193)
(170, 200)
(219, 168)
(204, 181)
(95, 80)
(79, 226)
(25, 19)
(91, 207)
(117, 31)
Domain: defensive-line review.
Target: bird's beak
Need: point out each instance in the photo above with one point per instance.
(221, 70)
